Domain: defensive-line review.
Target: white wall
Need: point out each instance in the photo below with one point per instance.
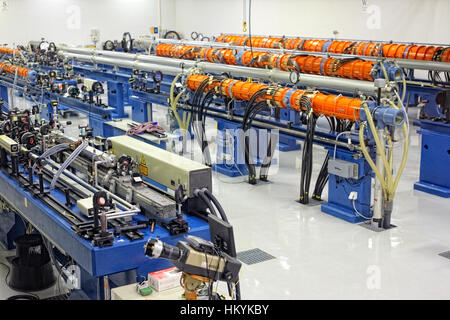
(70, 21)
(401, 20)
(57, 20)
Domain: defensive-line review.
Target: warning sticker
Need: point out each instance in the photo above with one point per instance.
(143, 167)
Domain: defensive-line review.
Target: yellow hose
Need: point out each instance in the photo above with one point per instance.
(389, 186)
(405, 152)
(380, 147)
(370, 161)
(384, 71)
(173, 102)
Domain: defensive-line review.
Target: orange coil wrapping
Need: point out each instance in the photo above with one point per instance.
(388, 50)
(313, 45)
(8, 51)
(339, 46)
(332, 67)
(23, 72)
(292, 44)
(283, 97)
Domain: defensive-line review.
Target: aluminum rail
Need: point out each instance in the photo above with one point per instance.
(144, 44)
(175, 66)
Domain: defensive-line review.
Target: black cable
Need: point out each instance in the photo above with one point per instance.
(307, 159)
(200, 117)
(196, 104)
(245, 127)
(216, 203)
(322, 179)
(252, 110)
(172, 32)
(201, 195)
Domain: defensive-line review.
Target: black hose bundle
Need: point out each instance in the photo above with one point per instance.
(254, 107)
(199, 104)
(307, 158)
(322, 179)
(337, 125)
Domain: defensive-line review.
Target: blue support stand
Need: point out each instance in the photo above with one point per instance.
(230, 159)
(435, 158)
(339, 189)
(4, 96)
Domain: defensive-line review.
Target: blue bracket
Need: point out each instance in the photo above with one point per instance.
(339, 189)
(141, 109)
(427, 93)
(116, 98)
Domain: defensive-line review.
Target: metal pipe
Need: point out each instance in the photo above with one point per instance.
(175, 66)
(123, 214)
(106, 288)
(378, 208)
(93, 189)
(403, 63)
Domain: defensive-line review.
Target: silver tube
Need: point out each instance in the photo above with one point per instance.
(378, 207)
(122, 214)
(91, 188)
(107, 292)
(174, 66)
(422, 65)
(126, 64)
(72, 176)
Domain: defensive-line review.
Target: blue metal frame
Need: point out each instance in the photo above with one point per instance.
(124, 255)
(435, 158)
(339, 189)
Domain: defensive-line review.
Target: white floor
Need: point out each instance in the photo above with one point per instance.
(321, 257)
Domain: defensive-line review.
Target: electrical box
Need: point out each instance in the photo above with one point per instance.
(85, 206)
(164, 167)
(154, 30)
(342, 168)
